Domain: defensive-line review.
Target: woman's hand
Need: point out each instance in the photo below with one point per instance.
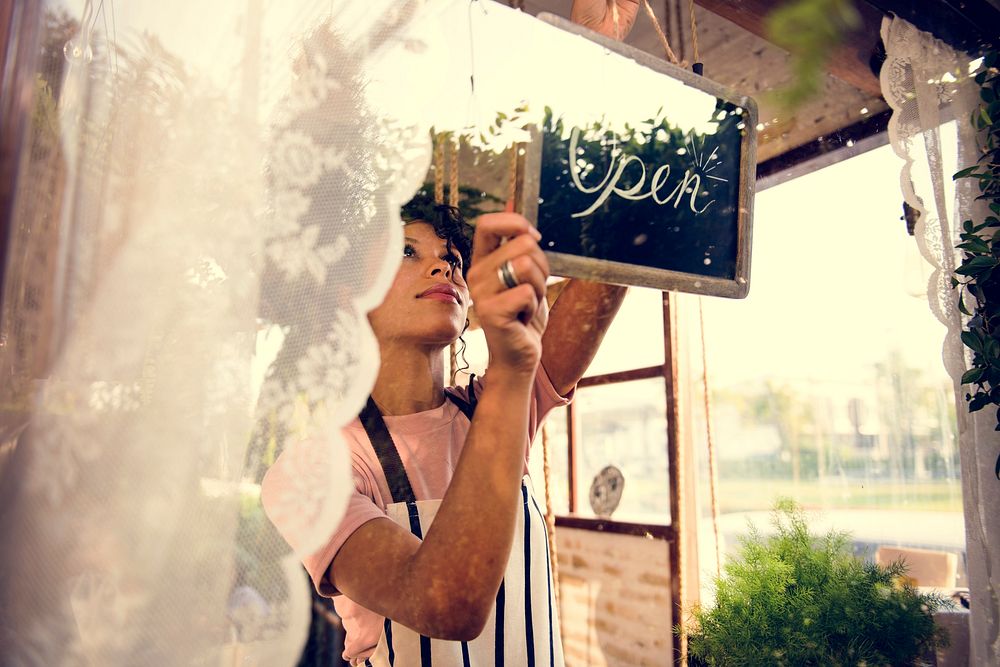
(599, 16)
(513, 319)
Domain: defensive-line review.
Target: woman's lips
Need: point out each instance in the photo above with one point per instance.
(440, 296)
(441, 292)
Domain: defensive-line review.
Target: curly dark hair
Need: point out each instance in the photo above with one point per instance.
(448, 222)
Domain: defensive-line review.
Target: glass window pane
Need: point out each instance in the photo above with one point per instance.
(624, 425)
(635, 339)
(832, 390)
(555, 432)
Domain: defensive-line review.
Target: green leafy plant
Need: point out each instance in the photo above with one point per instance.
(977, 276)
(797, 599)
(811, 30)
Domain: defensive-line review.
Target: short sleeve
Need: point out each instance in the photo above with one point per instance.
(361, 508)
(544, 399)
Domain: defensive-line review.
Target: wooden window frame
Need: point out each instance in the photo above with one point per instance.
(673, 531)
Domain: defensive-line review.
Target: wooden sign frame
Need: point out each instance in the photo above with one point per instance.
(608, 271)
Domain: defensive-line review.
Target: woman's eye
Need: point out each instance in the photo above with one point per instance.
(408, 251)
(453, 260)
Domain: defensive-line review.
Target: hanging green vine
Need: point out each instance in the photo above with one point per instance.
(978, 276)
(810, 30)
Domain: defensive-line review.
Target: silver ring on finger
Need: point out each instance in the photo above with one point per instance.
(506, 274)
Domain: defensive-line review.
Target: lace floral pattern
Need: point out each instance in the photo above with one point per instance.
(184, 210)
(927, 83)
(140, 537)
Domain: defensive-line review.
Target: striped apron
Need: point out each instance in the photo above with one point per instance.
(523, 626)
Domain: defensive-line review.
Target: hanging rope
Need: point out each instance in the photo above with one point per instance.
(550, 515)
(453, 182)
(713, 475)
(512, 176)
(440, 140)
(671, 56)
(439, 168)
(453, 201)
(694, 32)
(680, 536)
(672, 22)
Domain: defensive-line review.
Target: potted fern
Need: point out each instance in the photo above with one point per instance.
(798, 599)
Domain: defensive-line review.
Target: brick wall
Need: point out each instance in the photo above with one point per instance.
(615, 599)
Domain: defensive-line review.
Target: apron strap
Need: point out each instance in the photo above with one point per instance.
(385, 448)
(467, 407)
(388, 456)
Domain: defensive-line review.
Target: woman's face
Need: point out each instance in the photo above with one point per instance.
(428, 300)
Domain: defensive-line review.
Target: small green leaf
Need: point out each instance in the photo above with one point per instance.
(975, 245)
(966, 270)
(979, 402)
(977, 266)
(972, 375)
(961, 305)
(971, 341)
(983, 262)
(964, 172)
(967, 226)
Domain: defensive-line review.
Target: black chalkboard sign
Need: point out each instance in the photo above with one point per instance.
(662, 199)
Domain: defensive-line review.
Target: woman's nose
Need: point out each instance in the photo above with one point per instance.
(441, 267)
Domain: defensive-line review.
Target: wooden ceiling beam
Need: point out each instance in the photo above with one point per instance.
(849, 63)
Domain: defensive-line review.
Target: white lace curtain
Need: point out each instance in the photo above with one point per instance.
(205, 211)
(927, 83)
(158, 280)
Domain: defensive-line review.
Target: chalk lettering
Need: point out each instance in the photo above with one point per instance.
(609, 184)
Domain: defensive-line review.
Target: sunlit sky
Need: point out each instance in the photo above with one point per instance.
(836, 282)
(568, 71)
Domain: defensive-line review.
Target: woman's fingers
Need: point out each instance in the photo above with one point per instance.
(521, 246)
(493, 228)
(518, 303)
(528, 273)
(527, 263)
(507, 238)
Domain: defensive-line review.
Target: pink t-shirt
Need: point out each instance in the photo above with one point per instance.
(429, 445)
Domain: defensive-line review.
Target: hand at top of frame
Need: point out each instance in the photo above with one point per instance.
(599, 16)
(513, 318)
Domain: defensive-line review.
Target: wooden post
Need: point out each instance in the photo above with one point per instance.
(572, 437)
(675, 463)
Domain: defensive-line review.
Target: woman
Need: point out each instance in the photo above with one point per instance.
(444, 582)
(442, 554)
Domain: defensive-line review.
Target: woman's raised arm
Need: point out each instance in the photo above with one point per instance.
(579, 319)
